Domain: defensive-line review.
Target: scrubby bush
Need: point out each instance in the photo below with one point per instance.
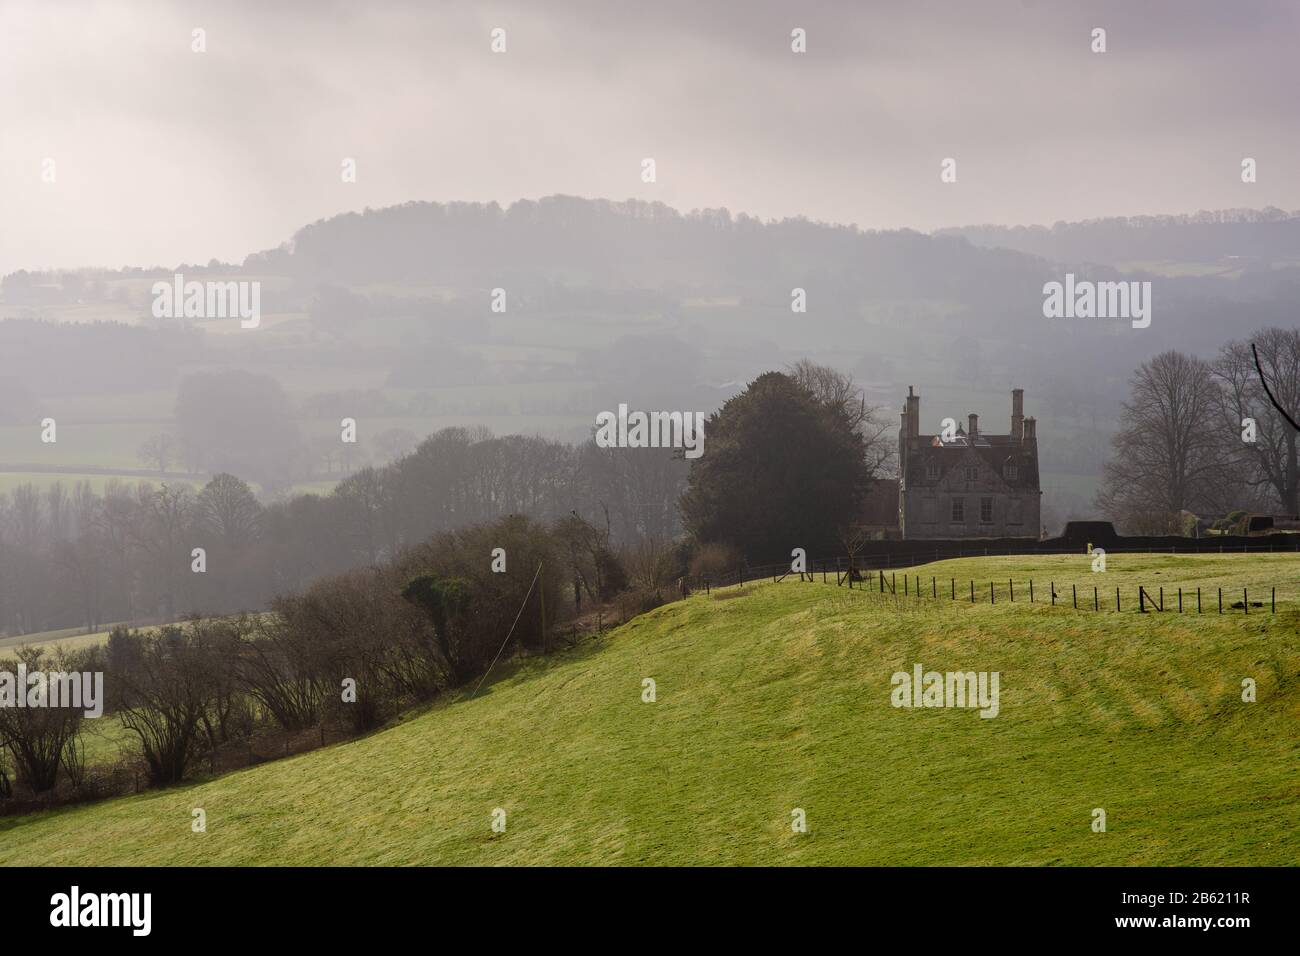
(38, 738)
(712, 561)
(526, 596)
(164, 695)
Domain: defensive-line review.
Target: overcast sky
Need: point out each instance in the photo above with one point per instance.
(164, 156)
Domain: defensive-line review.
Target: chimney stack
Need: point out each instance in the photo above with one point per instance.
(1029, 430)
(1017, 414)
(913, 414)
(973, 428)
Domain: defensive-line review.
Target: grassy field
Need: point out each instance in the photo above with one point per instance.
(775, 697)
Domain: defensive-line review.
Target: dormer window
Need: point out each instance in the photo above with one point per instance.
(932, 470)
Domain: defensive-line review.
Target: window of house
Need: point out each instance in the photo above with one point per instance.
(959, 509)
(1010, 471)
(932, 470)
(972, 472)
(986, 510)
(1017, 512)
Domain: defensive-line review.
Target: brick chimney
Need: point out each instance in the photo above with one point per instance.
(1029, 430)
(973, 425)
(1017, 414)
(913, 414)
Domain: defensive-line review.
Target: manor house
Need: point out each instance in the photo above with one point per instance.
(965, 483)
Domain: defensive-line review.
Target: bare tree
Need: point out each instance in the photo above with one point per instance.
(840, 392)
(852, 537)
(162, 532)
(1168, 456)
(159, 450)
(393, 443)
(1269, 462)
(163, 697)
(227, 508)
(38, 737)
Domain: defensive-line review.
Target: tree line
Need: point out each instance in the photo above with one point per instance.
(1203, 437)
(347, 653)
(83, 558)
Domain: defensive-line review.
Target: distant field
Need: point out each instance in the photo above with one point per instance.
(774, 697)
(103, 445)
(69, 638)
(9, 480)
(1173, 270)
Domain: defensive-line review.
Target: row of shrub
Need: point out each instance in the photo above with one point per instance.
(347, 653)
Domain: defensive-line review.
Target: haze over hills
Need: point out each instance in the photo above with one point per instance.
(385, 315)
(1225, 241)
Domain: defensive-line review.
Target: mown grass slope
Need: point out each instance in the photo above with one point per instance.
(779, 698)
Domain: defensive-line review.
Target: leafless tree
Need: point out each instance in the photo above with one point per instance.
(840, 392)
(38, 737)
(392, 443)
(1168, 456)
(1269, 462)
(159, 450)
(163, 697)
(228, 509)
(852, 537)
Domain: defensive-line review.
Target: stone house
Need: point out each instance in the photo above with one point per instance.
(968, 484)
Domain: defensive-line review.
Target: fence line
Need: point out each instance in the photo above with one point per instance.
(851, 574)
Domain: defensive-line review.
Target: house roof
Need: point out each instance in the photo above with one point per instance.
(993, 451)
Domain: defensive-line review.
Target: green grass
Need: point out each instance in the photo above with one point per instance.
(777, 699)
(106, 740)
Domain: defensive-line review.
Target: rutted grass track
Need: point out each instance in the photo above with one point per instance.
(780, 699)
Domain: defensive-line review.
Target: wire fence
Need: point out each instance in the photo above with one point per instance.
(884, 579)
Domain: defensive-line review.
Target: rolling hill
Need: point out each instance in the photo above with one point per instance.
(773, 697)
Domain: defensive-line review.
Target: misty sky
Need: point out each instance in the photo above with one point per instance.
(166, 156)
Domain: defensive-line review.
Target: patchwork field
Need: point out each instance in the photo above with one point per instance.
(774, 697)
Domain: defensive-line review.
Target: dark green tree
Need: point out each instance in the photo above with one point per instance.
(444, 600)
(780, 470)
